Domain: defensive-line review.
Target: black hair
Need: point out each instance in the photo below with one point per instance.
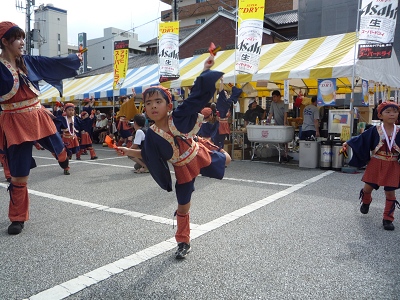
(11, 35)
(140, 120)
(276, 93)
(314, 99)
(153, 90)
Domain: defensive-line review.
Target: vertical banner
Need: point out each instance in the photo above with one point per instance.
(286, 91)
(82, 42)
(377, 28)
(364, 93)
(371, 94)
(326, 92)
(168, 55)
(250, 33)
(121, 55)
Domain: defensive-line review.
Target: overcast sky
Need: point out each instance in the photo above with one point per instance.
(92, 16)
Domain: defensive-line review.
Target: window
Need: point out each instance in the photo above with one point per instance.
(199, 1)
(200, 21)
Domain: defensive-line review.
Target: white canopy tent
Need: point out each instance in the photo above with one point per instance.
(303, 62)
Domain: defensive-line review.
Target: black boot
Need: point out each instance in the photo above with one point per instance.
(15, 228)
(388, 225)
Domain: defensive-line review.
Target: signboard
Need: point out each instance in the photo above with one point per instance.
(250, 34)
(286, 91)
(121, 56)
(168, 55)
(326, 92)
(378, 20)
(364, 92)
(377, 28)
(337, 119)
(345, 134)
(82, 42)
(371, 51)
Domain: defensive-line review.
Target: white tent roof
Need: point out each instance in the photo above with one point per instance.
(302, 61)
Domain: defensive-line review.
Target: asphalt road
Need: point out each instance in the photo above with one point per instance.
(266, 231)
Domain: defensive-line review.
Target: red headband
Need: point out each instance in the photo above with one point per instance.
(5, 27)
(68, 105)
(162, 90)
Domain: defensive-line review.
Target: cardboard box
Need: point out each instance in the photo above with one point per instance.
(228, 148)
(237, 154)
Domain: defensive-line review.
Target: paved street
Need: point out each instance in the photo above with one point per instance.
(266, 231)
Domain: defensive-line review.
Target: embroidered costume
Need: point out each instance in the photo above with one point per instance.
(381, 153)
(85, 142)
(24, 120)
(208, 130)
(189, 155)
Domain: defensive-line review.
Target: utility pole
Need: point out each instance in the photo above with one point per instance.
(175, 15)
(28, 34)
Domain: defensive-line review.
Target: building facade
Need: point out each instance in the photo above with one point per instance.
(50, 38)
(101, 50)
(50, 33)
(196, 12)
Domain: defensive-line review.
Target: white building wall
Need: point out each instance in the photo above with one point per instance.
(53, 33)
(101, 50)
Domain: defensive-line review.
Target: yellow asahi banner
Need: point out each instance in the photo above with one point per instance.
(250, 33)
(168, 54)
(121, 56)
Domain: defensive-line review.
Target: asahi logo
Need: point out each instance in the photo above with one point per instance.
(255, 48)
(172, 54)
(378, 10)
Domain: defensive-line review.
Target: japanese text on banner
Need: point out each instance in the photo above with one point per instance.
(251, 18)
(378, 20)
(168, 54)
(121, 56)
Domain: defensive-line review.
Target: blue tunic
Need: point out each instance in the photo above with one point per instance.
(157, 151)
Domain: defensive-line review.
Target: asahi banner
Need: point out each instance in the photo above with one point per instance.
(378, 20)
(377, 28)
(250, 33)
(121, 56)
(168, 55)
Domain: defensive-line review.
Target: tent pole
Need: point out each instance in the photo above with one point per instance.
(234, 82)
(354, 70)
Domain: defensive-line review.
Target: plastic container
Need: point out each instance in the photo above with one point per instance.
(309, 154)
(270, 134)
(325, 162)
(337, 158)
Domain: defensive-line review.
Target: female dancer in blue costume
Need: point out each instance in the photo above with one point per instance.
(24, 120)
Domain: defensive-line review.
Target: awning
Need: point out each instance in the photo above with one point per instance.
(100, 86)
(302, 62)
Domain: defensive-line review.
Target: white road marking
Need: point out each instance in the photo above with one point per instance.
(104, 208)
(79, 283)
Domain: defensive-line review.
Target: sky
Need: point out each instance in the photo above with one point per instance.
(92, 16)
